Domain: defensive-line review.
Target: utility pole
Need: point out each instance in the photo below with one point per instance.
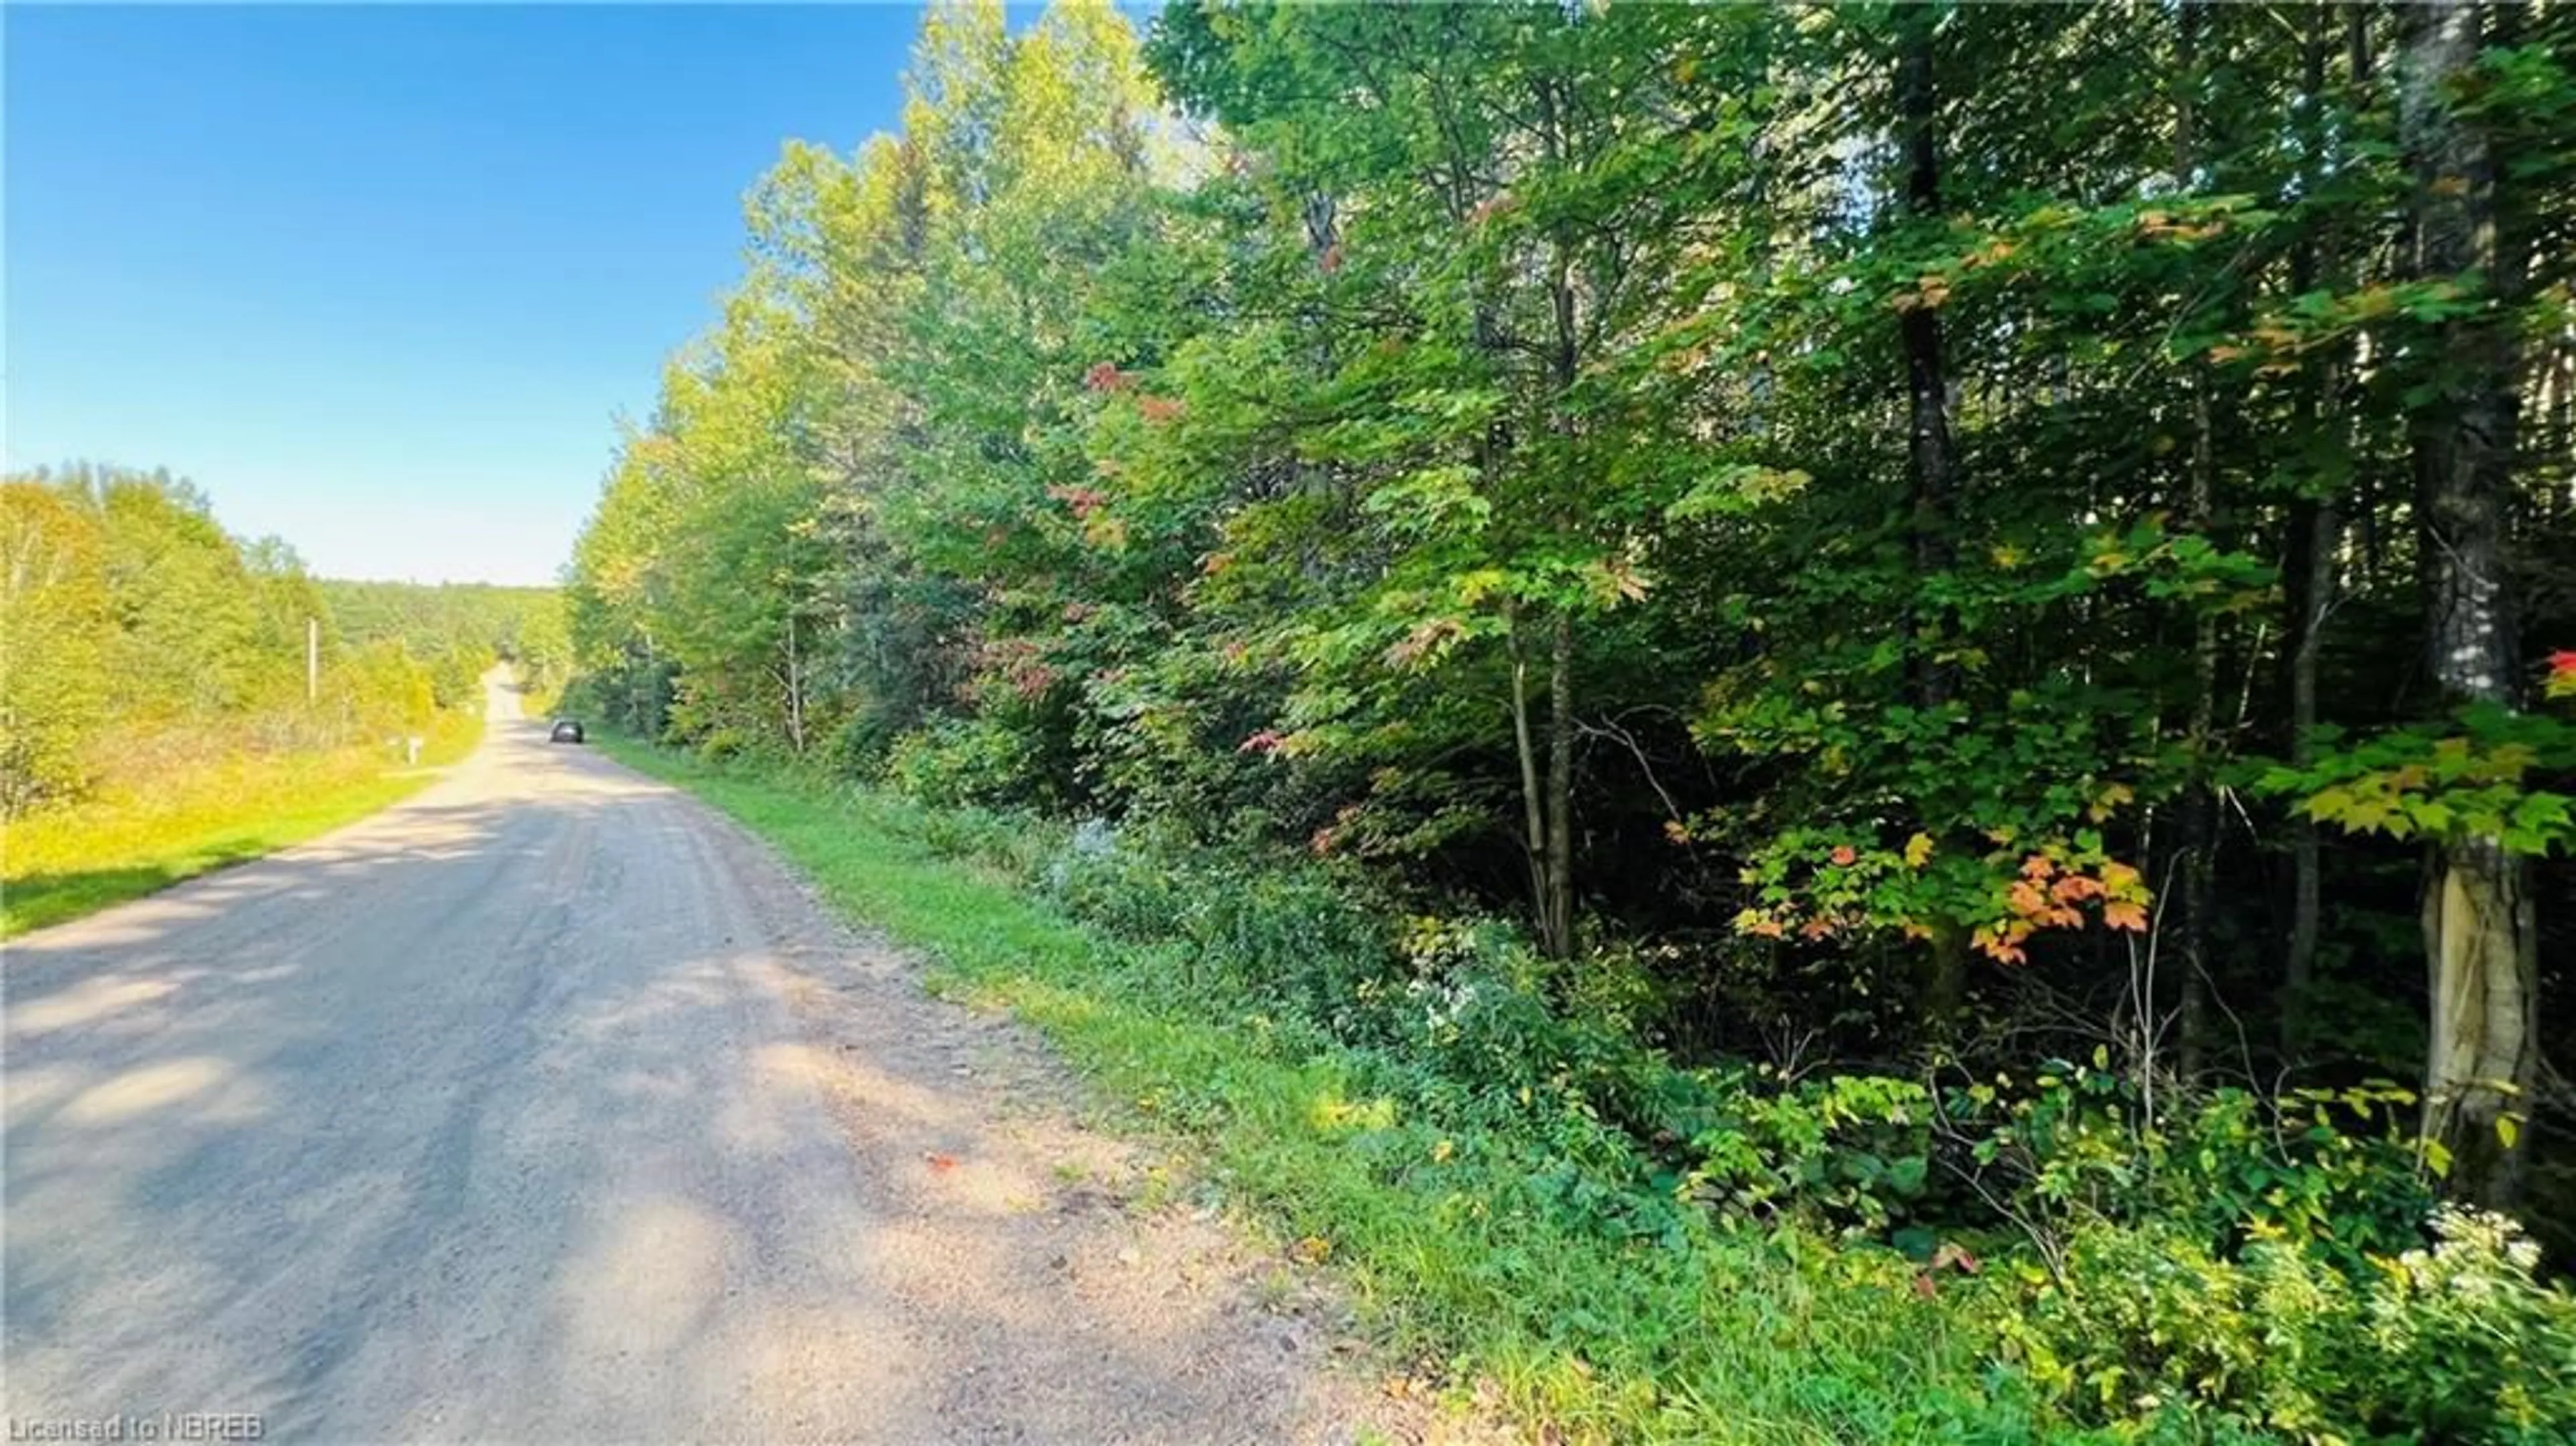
(312, 661)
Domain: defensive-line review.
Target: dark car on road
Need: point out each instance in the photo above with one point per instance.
(567, 730)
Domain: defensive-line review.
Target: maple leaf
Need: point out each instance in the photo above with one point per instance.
(2002, 943)
(2122, 914)
(2072, 888)
(2037, 866)
(1845, 854)
(2108, 799)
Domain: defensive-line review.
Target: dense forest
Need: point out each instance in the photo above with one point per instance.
(144, 640)
(457, 629)
(1946, 623)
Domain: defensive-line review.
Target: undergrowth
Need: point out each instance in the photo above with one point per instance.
(1526, 1199)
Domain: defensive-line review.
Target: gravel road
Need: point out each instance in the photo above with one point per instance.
(547, 1107)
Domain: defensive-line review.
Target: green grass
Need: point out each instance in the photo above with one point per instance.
(64, 863)
(1430, 1231)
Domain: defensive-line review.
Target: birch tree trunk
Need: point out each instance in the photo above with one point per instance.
(2480, 932)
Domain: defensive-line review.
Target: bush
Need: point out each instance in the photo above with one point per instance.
(956, 762)
(2458, 1342)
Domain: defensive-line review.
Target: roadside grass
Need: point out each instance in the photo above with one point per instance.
(61, 864)
(1468, 1275)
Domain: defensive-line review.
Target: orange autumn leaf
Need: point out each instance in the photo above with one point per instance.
(2122, 914)
(2073, 888)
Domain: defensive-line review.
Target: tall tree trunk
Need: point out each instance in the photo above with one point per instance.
(795, 690)
(2199, 800)
(1559, 938)
(1537, 836)
(1932, 500)
(2480, 932)
(2315, 535)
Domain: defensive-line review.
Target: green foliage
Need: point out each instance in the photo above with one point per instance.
(957, 762)
(145, 642)
(2456, 1341)
(1874, 531)
(54, 616)
(2466, 779)
(457, 630)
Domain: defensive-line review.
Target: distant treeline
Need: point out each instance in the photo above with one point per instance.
(143, 637)
(456, 629)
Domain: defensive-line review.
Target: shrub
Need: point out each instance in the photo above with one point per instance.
(956, 762)
(2458, 1342)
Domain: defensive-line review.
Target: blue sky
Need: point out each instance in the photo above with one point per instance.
(379, 279)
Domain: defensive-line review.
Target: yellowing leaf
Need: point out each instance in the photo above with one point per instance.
(1918, 849)
(2111, 797)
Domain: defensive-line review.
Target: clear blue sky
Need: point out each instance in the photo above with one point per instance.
(379, 279)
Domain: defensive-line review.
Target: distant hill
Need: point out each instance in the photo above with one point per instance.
(458, 619)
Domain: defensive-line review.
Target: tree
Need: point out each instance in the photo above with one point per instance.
(2481, 936)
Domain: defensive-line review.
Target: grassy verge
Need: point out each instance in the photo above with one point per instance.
(1474, 1251)
(63, 864)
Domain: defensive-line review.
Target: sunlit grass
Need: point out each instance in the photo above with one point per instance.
(63, 863)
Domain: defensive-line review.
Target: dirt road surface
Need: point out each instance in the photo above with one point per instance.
(545, 1108)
